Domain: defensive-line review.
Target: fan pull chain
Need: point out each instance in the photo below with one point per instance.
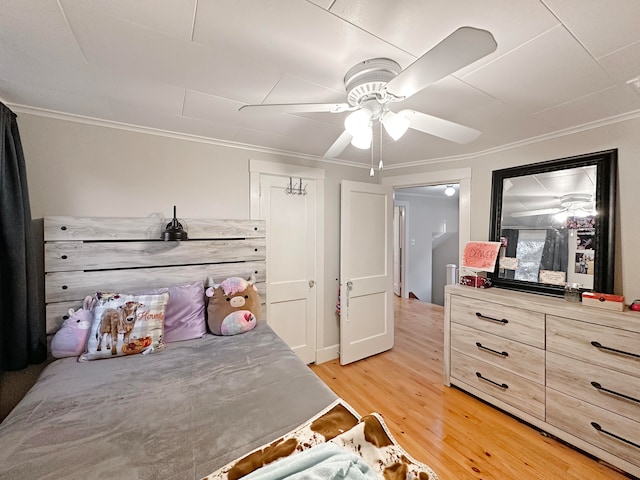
(380, 165)
(371, 172)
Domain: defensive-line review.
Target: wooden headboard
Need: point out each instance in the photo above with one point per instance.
(83, 255)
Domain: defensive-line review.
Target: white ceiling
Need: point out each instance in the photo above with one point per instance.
(186, 66)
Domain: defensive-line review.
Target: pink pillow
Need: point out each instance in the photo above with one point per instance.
(184, 317)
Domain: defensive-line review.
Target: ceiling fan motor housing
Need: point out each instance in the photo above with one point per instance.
(575, 200)
(367, 80)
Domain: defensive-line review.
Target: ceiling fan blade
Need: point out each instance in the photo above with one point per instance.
(440, 127)
(296, 108)
(339, 145)
(534, 213)
(462, 47)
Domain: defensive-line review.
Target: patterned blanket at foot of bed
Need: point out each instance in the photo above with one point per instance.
(367, 437)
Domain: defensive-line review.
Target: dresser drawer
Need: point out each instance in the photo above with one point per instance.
(513, 356)
(501, 384)
(514, 323)
(575, 416)
(605, 346)
(611, 390)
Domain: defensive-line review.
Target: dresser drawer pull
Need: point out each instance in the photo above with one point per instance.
(499, 385)
(597, 386)
(490, 350)
(617, 437)
(491, 319)
(609, 349)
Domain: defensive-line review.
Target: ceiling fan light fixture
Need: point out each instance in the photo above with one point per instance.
(574, 201)
(358, 122)
(449, 191)
(395, 124)
(363, 139)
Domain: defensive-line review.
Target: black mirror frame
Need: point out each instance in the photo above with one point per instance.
(606, 183)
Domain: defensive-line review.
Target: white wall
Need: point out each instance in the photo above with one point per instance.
(445, 253)
(625, 136)
(88, 170)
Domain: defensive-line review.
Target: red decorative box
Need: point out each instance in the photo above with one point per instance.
(603, 300)
(473, 281)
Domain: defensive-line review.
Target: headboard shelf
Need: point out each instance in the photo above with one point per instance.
(84, 255)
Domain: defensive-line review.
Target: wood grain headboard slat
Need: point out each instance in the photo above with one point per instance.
(65, 286)
(70, 256)
(84, 255)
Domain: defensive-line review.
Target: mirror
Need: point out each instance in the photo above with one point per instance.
(555, 222)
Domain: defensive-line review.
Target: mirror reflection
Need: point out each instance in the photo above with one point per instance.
(547, 227)
(556, 222)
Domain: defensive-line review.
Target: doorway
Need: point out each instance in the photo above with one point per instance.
(399, 248)
(439, 179)
(431, 231)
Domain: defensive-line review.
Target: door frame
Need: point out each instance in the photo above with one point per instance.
(405, 245)
(261, 167)
(461, 176)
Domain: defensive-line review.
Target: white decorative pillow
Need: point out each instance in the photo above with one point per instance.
(126, 325)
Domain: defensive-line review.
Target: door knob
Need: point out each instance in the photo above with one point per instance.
(311, 283)
(349, 288)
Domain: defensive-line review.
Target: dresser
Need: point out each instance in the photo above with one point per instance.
(568, 369)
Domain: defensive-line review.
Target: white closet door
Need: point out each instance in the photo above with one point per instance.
(291, 260)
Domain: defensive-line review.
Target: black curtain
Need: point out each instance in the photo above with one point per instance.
(511, 237)
(555, 253)
(22, 329)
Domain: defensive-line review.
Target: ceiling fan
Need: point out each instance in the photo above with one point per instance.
(373, 85)
(577, 204)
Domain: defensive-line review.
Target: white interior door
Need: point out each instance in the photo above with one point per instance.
(366, 271)
(291, 260)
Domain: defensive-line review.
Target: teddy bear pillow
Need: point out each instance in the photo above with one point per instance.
(233, 306)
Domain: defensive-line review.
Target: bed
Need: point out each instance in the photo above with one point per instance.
(201, 407)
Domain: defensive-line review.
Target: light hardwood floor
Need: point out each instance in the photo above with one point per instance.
(459, 436)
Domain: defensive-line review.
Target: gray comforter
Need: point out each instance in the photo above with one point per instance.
(180, 413)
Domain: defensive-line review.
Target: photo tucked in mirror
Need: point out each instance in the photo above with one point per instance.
(554, 221)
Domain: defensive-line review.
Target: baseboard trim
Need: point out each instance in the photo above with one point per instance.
(327, 353)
